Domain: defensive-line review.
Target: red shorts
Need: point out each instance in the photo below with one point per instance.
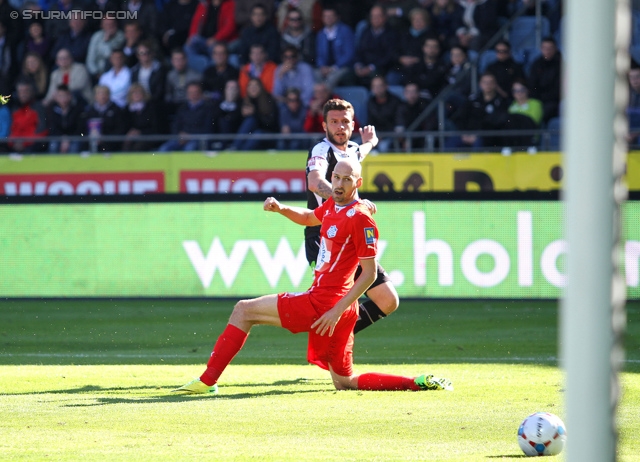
(297, 313)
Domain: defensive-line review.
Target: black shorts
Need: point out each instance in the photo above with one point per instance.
(312, 245)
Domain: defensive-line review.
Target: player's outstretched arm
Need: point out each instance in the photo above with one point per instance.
(299, 215)
(327, 322)
(369, 140)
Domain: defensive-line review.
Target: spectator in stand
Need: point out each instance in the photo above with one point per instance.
(524, 114)
(505, 68)
(446, 19)
(175, 22)
(102, 42)
(485, 110)
(219, 73)
(310, 13)
(376, 50)
(411, 109)
(27, 119)
(149, 72)
(260, 30)
(259, 115)
(397, 12)
(37, 42)
(57, 24)
(117, 79)
(13, 26)
(335, 48)
(383, 112)
(545, 78)
(145, 14)
(6, 61)
(258, 67)
(103, 118)
(479, 23)
(293, 73)
(411, 41)
(634, 86)
(100, 9)
(212, 23)
(296, 33)
(459, 76)
(178, 77)
(292, 117)
(35, 72)
(633, 110)
(195, 117)
(315, 116)
(73, 75)
(431, 72)
(244, 11)
(227, 114)
(64, 119)
(141, 118)
(5, 125)
(76, 39)
(133, 35)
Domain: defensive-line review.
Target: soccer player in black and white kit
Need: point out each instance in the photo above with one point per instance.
(382, 295)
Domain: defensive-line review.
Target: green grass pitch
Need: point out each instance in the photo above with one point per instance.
(90, 380)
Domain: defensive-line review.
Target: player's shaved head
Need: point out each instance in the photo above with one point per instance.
(349, 167)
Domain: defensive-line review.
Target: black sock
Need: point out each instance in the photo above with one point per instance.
(369, 313)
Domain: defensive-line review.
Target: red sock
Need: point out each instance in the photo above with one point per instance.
(228, 345)
(385, 382)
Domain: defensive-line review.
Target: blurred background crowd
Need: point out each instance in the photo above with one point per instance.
(135, 68)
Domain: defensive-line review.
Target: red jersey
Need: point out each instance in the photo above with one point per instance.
(348, 234)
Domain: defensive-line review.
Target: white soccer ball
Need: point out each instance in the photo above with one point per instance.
(542, 434)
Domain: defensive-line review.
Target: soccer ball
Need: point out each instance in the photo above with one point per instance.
(542, 434)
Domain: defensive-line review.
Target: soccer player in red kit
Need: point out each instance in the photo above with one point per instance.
(382, 298)
(329, 309)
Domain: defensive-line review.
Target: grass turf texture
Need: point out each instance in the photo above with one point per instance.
(90, 379)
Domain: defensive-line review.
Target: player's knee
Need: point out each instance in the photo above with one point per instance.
(385, 297)
(241, 310)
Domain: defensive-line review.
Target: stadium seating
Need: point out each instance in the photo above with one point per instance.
(522, 33)
(486, 58)
(397, 90)
(358, 97)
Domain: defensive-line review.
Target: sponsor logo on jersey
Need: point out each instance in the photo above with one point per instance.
(317, 162)
(351, 212)
(370, 235)
(333, 231)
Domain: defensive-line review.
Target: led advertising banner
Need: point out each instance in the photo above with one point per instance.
(249, 172)
(503, 249)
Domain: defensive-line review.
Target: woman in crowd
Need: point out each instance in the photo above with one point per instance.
(259, 115)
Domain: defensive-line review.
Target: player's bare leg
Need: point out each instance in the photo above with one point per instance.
(246, 314)
(383, 300)
(261, 310)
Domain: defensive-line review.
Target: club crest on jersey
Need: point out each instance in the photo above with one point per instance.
(370, 235)
(331, 232)
(351, 212)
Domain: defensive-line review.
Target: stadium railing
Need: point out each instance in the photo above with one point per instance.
(430, 141)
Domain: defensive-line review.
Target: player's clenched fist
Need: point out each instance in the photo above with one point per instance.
(272, 205)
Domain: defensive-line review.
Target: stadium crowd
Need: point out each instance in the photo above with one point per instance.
(238, 67)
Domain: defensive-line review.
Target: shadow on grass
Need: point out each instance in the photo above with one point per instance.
(319, 385)
(189, 398)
